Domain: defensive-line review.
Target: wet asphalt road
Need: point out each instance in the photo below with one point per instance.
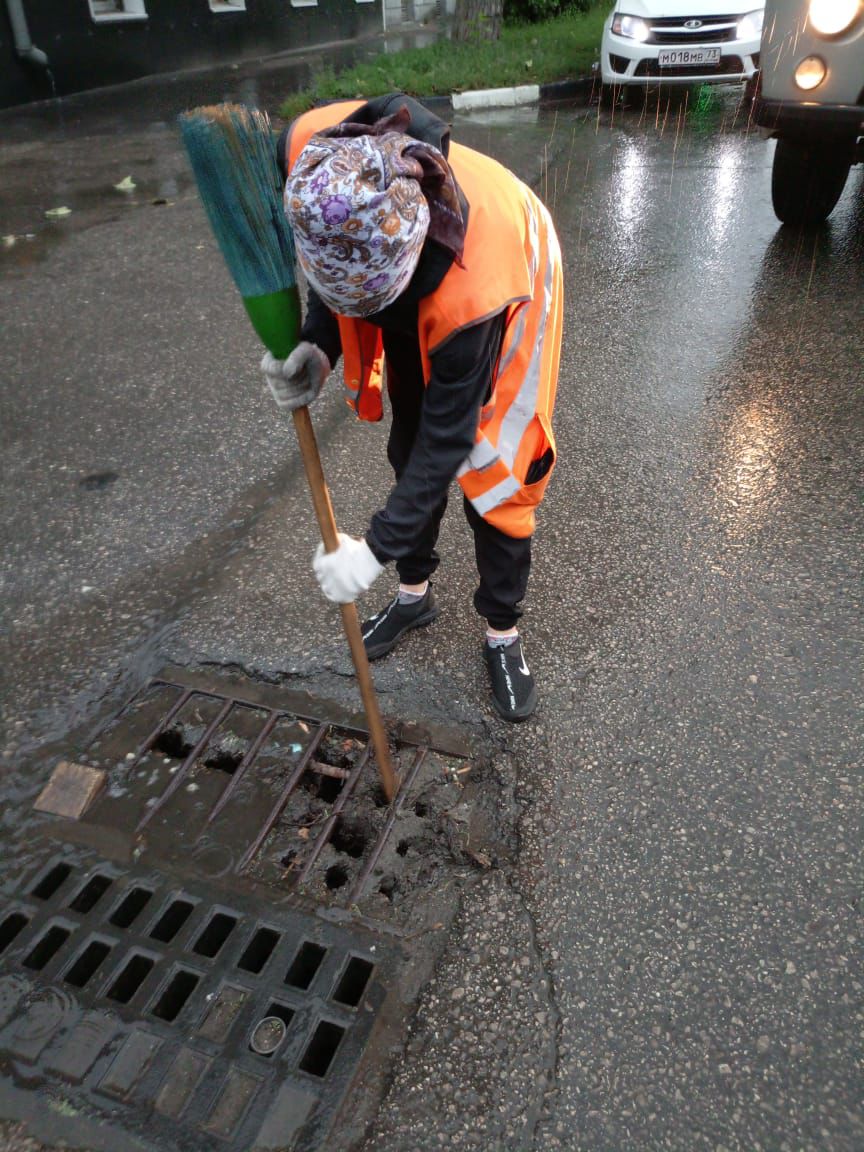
(674, 961)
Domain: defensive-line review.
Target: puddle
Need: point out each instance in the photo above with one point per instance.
(81, 175)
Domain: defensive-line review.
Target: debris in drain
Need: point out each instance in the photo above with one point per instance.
(268, 1035)
(71, 789)
(282, 800)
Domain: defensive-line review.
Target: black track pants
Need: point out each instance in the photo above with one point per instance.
(503, 562)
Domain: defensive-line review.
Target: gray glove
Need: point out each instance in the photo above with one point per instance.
(296, 382)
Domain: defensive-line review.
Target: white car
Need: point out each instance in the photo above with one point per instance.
(810, 96)
(680, 42)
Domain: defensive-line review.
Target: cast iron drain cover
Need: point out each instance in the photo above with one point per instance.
(230, 788)
(235, 1021)
(203, 961)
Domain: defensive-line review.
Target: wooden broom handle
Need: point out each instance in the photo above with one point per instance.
(350, 621)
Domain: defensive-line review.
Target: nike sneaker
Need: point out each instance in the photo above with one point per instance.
(514, 693)
(381, 633)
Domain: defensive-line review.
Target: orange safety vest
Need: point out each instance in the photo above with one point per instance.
(512, 264)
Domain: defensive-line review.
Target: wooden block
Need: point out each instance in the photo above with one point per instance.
(71, 789)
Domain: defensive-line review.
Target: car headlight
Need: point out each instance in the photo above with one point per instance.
(831, 17)
(750, 26)
(631, 27)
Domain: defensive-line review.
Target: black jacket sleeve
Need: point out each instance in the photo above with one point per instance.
(321, 327)
(460, 382)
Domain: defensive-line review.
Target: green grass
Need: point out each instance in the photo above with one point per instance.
(559, 49)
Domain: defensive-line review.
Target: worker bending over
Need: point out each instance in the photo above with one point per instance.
(434, 262)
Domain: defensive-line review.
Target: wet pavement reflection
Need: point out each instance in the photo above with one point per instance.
(691, 809)
(72, 152)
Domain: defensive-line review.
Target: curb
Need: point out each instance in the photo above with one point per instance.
(496, 98)
(581, 88)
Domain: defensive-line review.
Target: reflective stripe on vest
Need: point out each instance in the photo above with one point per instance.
(521, 411)
(518, 427)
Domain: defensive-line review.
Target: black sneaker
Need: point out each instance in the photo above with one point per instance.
(514, 693)
(383, 632)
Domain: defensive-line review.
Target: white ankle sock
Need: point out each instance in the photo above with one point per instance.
(406, 597)
(499, 640)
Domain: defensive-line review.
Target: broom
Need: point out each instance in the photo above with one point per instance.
(231, 151)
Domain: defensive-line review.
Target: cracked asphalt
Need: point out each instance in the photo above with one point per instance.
(672, 960)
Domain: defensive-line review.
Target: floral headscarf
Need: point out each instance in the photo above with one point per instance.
(361, 201)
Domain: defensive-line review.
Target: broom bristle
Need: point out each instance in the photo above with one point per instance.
(233, 158)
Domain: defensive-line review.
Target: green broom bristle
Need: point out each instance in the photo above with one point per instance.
(233, 158)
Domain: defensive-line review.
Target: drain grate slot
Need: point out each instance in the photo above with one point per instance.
(171, 921)
(88, 963)
(281, 1011)
(232, 1100)
(336, 876)
(321, 1049)
(91, 893)
(222, 761)
(45, 888)
(353, 982)
(349, 836)
(305, 965)
(173, 999)
(259, 950)
(325, 787)
(15, 923)
(213, 938)
(47, 947)
(133, 974)
(221, 1014)
(172, 744)
(130, 907)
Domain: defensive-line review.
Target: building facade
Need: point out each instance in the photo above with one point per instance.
(50, 48)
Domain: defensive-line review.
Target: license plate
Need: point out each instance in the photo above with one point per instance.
(688, 57)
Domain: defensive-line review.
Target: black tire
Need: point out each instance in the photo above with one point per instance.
(807, 180)
(612, 95)
(634, 96)
(626, 96)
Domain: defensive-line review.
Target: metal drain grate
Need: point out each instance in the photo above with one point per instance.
(231, 786)
(207, 958)
(161, 998)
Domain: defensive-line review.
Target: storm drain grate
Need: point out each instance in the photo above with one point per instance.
(325, 761)
(232, 1020)
(266, 795)
(207, 957)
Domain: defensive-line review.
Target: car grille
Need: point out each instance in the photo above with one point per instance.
(712, 30)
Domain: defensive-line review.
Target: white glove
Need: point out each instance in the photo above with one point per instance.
(296, 382)
(348, 571)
